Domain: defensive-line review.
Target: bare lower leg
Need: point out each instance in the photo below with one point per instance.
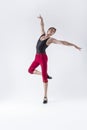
(37, 72)
(45, 89)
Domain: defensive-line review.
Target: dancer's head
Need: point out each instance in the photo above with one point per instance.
(51, 31)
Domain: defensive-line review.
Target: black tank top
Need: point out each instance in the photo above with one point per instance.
(41, 45)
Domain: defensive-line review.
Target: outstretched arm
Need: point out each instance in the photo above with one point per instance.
(42, 24)
(65, 43)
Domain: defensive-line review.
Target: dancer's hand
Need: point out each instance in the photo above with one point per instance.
(40, 17)
(78, 48)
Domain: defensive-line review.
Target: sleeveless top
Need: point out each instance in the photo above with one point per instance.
(41, 45)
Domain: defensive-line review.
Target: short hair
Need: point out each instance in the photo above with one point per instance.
(52, 28)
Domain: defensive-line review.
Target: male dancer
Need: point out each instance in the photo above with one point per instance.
(41, 57)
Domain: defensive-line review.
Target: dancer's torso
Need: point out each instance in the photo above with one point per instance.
(41, 45)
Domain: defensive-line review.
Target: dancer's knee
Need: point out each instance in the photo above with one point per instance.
(45, 80)
(30, 70)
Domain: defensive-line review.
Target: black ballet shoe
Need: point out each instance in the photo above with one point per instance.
(49, 77)
(45, 100)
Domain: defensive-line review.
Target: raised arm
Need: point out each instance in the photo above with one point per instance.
(42, 24)
(64, 43)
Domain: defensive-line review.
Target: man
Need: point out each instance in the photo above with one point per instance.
(41, 58)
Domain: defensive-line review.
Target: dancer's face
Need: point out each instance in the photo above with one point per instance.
(51, 31)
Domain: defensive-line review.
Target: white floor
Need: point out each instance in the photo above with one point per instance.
(56, 115)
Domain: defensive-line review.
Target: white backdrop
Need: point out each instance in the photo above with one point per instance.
(19, 32)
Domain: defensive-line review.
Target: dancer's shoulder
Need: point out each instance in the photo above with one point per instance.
(42, 34)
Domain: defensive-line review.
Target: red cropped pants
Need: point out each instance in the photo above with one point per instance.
(40, 59)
